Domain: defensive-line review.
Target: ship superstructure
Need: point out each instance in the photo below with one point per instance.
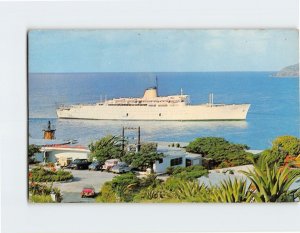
(154, 107)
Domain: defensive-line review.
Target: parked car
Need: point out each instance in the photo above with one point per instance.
(79, 164)
(121, 167)
(108, 165)
(96, 165)
(88, 191)
(64, 162)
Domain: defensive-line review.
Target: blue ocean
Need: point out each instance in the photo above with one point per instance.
(274, 103)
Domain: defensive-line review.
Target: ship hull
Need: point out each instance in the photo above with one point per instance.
(203, 112)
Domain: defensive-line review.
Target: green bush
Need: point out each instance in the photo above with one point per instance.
(281, 147)
(41, 199)
(174, 190)
(39, 189)
(107, 194)
(40, 174)
(221, 153)
(32, 150)
(187, 173)
(125, 187)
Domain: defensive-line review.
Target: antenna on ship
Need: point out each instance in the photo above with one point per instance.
(156, 83)
(211, 99)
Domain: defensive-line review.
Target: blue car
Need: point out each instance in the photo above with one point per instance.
(95, 166)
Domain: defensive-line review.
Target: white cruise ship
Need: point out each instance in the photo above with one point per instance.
(154, 107)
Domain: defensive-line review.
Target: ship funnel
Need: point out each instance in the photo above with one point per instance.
(150, 93)
(49, 132)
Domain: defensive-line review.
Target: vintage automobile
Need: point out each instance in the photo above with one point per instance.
(79, 164)
(95, 166)
(108, 165)
(121, 167)
(88, 191)
(64, 162)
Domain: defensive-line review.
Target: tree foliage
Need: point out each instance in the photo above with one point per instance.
(281, 147)
(108, 147)
(287, 145)
(145, 158)
(220, 151)
(32, 149)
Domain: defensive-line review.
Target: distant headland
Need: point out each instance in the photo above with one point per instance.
(289, 71)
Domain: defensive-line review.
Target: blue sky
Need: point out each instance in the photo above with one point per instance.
(161, 50)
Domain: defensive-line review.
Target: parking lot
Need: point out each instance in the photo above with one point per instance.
(71, 190)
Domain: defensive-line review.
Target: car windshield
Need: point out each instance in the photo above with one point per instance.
(88, 187)
(79, 161)
(95, 163)
(122, 164)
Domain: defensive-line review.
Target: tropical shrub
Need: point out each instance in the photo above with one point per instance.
(107, 194)
(150, 181)
(175, 190)
(272, 183)
(125, 186)
(231, 191)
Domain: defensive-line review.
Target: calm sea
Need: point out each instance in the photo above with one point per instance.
(274, 103)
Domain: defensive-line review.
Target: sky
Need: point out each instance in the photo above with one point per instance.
(60, 51)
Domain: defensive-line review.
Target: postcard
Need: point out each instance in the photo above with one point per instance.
(163, 116)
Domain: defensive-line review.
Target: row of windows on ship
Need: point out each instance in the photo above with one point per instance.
(147, 101)
(149, 105)
(128, 114)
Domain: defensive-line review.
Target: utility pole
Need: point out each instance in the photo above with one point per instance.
(139, 139)
(123, 138)
(138, 146)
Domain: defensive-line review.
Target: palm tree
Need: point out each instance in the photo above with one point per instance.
(272, 183)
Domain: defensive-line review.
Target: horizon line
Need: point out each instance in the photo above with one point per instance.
(97, 72)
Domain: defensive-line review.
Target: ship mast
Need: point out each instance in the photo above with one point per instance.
(156, 84)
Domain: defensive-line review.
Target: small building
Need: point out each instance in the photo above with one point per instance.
(54, 150)
(59, 153)
(175, 157)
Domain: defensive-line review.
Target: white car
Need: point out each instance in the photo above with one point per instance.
(109, 164)
(121, 167)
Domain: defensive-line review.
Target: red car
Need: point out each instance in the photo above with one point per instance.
(88, 191)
